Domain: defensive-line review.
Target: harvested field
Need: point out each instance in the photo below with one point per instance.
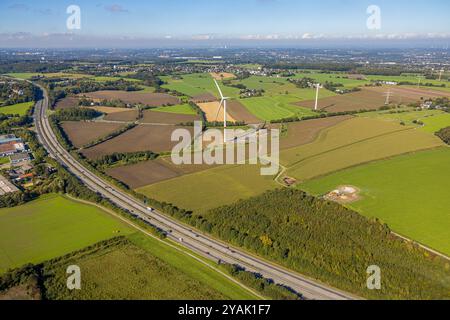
(222, 75)
(68, 102)
(150, 172)
(154, 138)
(205, 97)
(135, 97)
(126, 116)
(351, 143)
(212, 188)
(167, 118)
(304, 132)
(82, 133)
(240, 113)
(210, 110)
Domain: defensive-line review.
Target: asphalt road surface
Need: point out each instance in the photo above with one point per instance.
(184, 235)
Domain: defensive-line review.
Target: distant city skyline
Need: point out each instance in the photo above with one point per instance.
(233, 22)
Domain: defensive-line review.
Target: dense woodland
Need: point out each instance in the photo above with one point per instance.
(13, 92)
(444, 134)
(326, 241)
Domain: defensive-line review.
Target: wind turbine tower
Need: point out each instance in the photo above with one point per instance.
(440, 74)
(316, 105)
(223, 102)
(418, 83)
(388, 97)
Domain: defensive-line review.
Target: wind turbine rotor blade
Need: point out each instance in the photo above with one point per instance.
(218, 88)
(218, 110)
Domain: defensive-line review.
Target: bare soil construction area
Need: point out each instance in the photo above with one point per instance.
(82, 133)
(150, 172)
(154, 138)
(135, 97)
(303, 132)
(240, 113)
(210, 110)
(344, 194)
(66, 103)
(167, 118)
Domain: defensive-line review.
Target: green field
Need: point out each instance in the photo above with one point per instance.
(434, 120)
(29, 75)
(276, 107)
(20, 108)
(180, 109)
(333, 77)
(212, 188)
(353, 142)
(106, 79)
(49, 227)
(4, 160)
(409, 193)
(143, 269)
(197, 84)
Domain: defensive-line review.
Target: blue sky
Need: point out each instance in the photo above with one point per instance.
(188, 19)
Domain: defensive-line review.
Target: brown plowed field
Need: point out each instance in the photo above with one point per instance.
(141, 138)
(167, 118)
(205, 97)
(240, 113)
(371, 98)
(303, 132)
(82, 133)
(150, 172)
(129, 116)
(413, 93)
(110, 110)
(135, 97)
(65, 103)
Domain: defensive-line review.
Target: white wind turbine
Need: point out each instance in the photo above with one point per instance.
(440, 74)
(318, 87)
(223, 102)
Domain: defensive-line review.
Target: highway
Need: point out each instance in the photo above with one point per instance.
(185, 236)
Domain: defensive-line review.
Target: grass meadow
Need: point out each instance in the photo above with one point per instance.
(20, 108)
(408, 192)
(50, 227)
(142, 268)
(212, 188)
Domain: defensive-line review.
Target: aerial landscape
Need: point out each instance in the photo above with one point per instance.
(222, 166)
